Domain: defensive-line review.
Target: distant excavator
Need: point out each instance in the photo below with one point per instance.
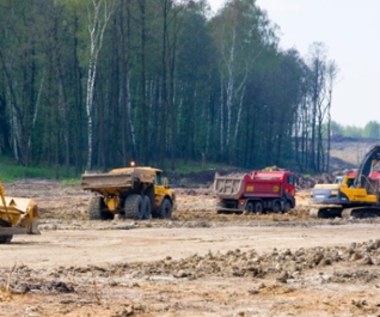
(355, 195)
(17, 216)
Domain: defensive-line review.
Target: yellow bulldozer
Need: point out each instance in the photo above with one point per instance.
(17, 216)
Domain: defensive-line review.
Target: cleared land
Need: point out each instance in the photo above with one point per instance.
(197, 264)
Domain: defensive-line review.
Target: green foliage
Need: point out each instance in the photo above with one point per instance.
(172, 84)
(11, 171)
(187, 167)
(370, 130)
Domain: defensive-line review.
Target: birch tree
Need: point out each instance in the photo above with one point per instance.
(322, 76)
(21, 63)
(241, 33)
(99, 14)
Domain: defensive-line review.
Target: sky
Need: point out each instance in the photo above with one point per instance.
(350, 31)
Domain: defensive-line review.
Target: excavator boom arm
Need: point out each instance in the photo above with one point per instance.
(366, 165)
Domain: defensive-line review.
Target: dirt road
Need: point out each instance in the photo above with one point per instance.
(100, 247)
(197, 264)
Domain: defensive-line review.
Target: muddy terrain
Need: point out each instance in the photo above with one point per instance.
(199, 263)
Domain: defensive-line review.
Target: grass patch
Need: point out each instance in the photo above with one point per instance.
(11, 171)
(188, 167)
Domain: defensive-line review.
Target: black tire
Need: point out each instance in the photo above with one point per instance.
(287, 206)
(166, 209)
(97, 210)
(249, 208)
(259, 208)
(147, 208)
(133, 207)
(5, 239)
(276, 206)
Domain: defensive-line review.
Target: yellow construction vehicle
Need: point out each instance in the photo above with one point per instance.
(353, 195)
(133, 192)
(17, 216)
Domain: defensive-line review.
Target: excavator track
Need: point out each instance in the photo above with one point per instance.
(361, 212)
(335, 211)
(326, 211)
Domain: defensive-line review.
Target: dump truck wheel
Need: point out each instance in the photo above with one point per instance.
(147, 208)
(249, 208)
(259, 208)
(97, 209)
(6, 238)
(276, 206)
(165, 210)
(287, 206)
(133, 207)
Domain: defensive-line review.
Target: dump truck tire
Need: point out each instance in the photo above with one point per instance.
(133, 207)
(249, 208)
(147, 208)
(97, 209)
(276, 206)
(258, 207)
(287, 206)
(5, 239)
(165, 210)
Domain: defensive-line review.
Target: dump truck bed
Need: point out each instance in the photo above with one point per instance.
(121, 179)
(106, 180)
(229, 187)
(248, 185)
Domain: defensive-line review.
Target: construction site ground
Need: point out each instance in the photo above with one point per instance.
(199, 263)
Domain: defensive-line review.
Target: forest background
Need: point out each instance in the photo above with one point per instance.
(94, 84)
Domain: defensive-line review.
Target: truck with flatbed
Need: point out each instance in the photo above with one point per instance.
(255, 192)
(132, 192)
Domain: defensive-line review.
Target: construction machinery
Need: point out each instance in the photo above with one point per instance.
(255, 192)
(17, 216)
(132, 192)
(355, 194)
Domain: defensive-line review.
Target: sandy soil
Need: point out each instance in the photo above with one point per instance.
(197, 264)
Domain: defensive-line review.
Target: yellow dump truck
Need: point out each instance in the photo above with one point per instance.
(17, 216)
(133, 192)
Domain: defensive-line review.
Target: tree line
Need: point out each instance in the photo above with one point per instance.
(98, 83)
(371, 130)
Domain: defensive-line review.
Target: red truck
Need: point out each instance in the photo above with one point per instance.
(256, 192)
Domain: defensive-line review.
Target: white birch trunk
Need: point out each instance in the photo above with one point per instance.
(35, 114)
(230, 87)
(222, 133)
(130, 119)
(97, 26)
(241, 91)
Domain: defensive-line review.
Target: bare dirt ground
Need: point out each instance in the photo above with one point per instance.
(197, 264)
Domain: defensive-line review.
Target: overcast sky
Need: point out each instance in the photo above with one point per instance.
(350, 30)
